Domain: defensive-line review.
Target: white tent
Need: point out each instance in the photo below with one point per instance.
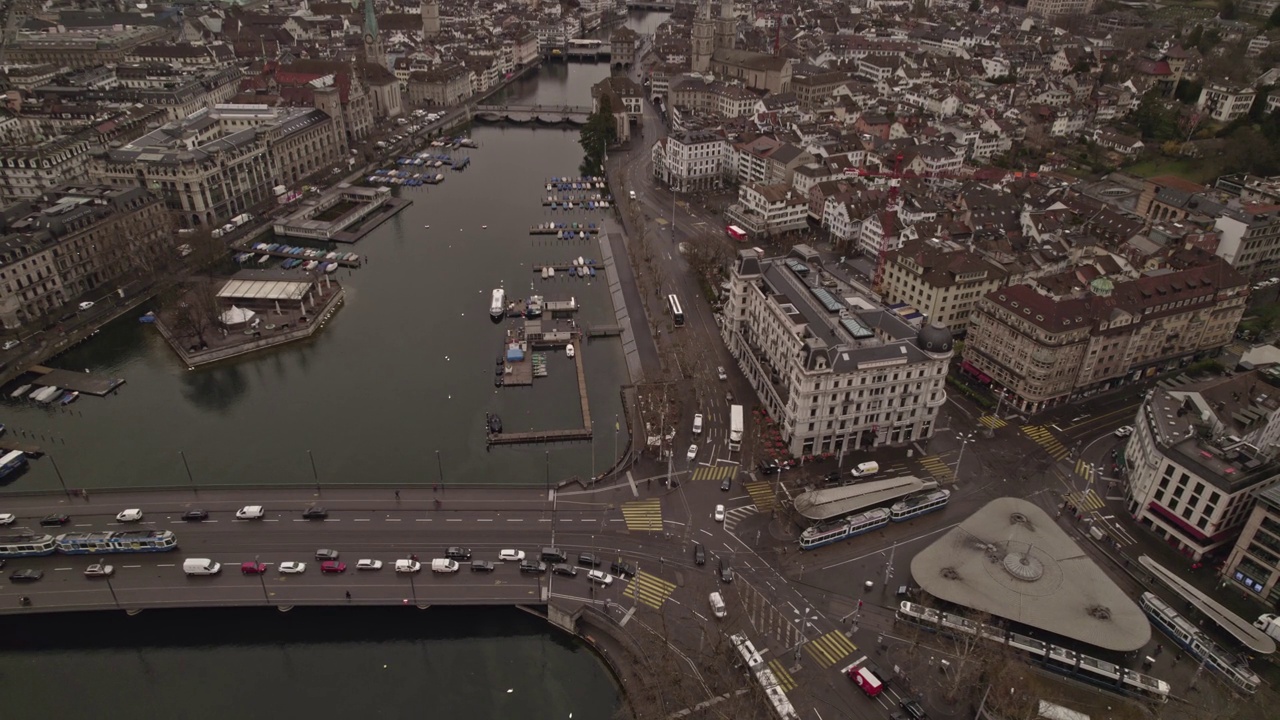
(237, 316)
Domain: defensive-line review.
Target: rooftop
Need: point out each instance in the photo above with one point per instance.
(1010, 559)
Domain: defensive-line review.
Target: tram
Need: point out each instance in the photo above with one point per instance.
(128, 541)
(21, 542)
(1190, 638)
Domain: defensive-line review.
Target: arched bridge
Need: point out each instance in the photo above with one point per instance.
(541, 114)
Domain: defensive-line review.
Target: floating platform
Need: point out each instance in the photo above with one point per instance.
(549, 436)
(84, 383)
(557, 228)
(560, 306)
(9, 444)
(564, 267)
(604, 331)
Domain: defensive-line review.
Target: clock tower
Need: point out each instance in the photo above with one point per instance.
(373, 51)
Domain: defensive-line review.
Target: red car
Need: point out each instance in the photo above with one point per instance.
(333, 566)
(253, 568)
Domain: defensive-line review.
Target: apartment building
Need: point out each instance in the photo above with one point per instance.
(1192, 480)
(1224, 103)
(1250, 239)
(1057, 8)
(38, 160)
(941, 279)
(222, 162)
(838, 374)
(77, 48)
(1254, 562)
(1045, 348)
(764, 210)
(692, 93)
(765, 159)
(692, 161)
(80, 241)
(443, 85)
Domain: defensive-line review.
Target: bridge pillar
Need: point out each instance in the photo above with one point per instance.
(567, 621)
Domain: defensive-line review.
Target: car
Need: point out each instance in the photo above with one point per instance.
(196, 515)
(367, 564)
(408, 566)
(292, 568)
(333, 566)
(458, 553)
(588, 559)
(563, 569)
(7, 518)
(719, 513)
(913, 709)
(692, 454)
(25, 575)
(632, 194)
(697, 429)
(600, 577)
(726, 571)
(726, 485)
(11, 344)
(99, 570)
(622, 569)
(315, 512)
(1124, 431)
(250, 512)
(481, 566)
(769, 468)
(513, 555)
(253, 568)
(55, 519)
(532, 566)
(720, 373)
(325, 554)
(699, 554)
(86, 305)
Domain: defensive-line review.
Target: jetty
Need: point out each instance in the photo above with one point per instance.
(553, 228)
(85, 383)
(284, 251)
(9, 444)
(563, 267)
(549, 436)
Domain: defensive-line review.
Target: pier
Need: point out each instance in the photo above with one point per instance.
(571, 228)
(85, 383)
(562, 267)
(549, 436)
(9, 444)
(604, 331)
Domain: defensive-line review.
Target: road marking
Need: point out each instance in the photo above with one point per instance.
(273, 520)
(422, 519)
(131, 566)
(453, 519)
(332, 520)
(361, 520)
(484, 519)
(392, 519)
(515, 519)
(167, 565)
(60, 569)
(831, 648)
(785, 682)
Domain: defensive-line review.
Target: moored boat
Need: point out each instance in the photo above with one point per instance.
(533, 308)
(22, 390)
(70, 397)
(497, 304)
(568, 350)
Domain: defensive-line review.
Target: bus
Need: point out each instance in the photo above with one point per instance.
(677, 312)
(736, 233)
(12, 462)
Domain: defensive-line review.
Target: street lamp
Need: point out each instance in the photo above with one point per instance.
(965, 439)
(113, 591)
(188, 467)
(804, 619)
(257, 567)
(314, 475)
(413, 587)
(59, 474)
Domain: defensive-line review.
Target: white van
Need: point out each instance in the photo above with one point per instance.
(866, 468)
(250, 512)
(717, 605)
(697, 424)
(200, 566)
(442, 565)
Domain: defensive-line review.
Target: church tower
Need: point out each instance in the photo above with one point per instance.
(374, 52)
(703, 38)
(430, 18)
(726, 26)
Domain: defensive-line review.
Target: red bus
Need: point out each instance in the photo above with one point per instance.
(736, 233)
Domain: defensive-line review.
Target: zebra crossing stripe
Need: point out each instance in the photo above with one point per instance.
(785, 681)
(761, 494)
(643, 514)
(831, 648)
(716, 472)
(649, 589)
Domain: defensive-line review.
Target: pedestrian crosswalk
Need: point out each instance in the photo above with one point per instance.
(938, 468)
(715, 472)
(1086, 501)
(1086, 471)
(831, 648)
(785, 681)
(994, 422)
(762, 494)
(649, 589)
(1045, 439)
(643, 514)
(736, 515)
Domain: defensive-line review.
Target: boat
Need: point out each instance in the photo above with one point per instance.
(497, 303)
(22, 390)
(582, 271)
(43, 394)
(311, 265)
(551, 272)
(591, 271)
(568, 350)
(331, 267)
(533, 308)
(70, 397)
(493, 422)
(580, 261)
(263, 260)
(50, 398)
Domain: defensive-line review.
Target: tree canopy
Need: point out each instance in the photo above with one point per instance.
(597, 135)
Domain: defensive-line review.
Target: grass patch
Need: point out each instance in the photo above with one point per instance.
(1201, 170)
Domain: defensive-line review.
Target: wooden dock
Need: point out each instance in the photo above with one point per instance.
(9, 444)
(604, 331)
(563, 267)
(560, 306)
(85, 383)
(564, 228)
(550, 436)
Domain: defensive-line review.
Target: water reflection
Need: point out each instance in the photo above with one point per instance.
(216, 389)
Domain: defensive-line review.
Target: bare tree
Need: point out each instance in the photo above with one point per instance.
(195, 310)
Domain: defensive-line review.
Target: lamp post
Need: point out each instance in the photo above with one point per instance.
(314, 475)
(804, 618)
(187, 465)
(413, 587)
(113, 592)
(439, 468)
(58, 472)
(257, 566)
(965, 439)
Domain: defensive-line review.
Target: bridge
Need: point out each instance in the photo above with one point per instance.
(538, 114)
(667, 6)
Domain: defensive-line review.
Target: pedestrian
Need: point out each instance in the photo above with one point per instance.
(397, 496)
(348, 594)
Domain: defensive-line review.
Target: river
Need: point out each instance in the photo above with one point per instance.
(402, 371)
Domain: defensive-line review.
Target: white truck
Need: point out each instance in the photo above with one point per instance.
(735, 428)
(1269, 623)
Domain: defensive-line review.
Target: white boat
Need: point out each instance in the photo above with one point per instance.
(544, 273)
(331, 267)
(580, 261)
(497, 303)
(47, 394)
(582, 271)
(22, 390)
(551, 272)
(568, 350)
(311, 265)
